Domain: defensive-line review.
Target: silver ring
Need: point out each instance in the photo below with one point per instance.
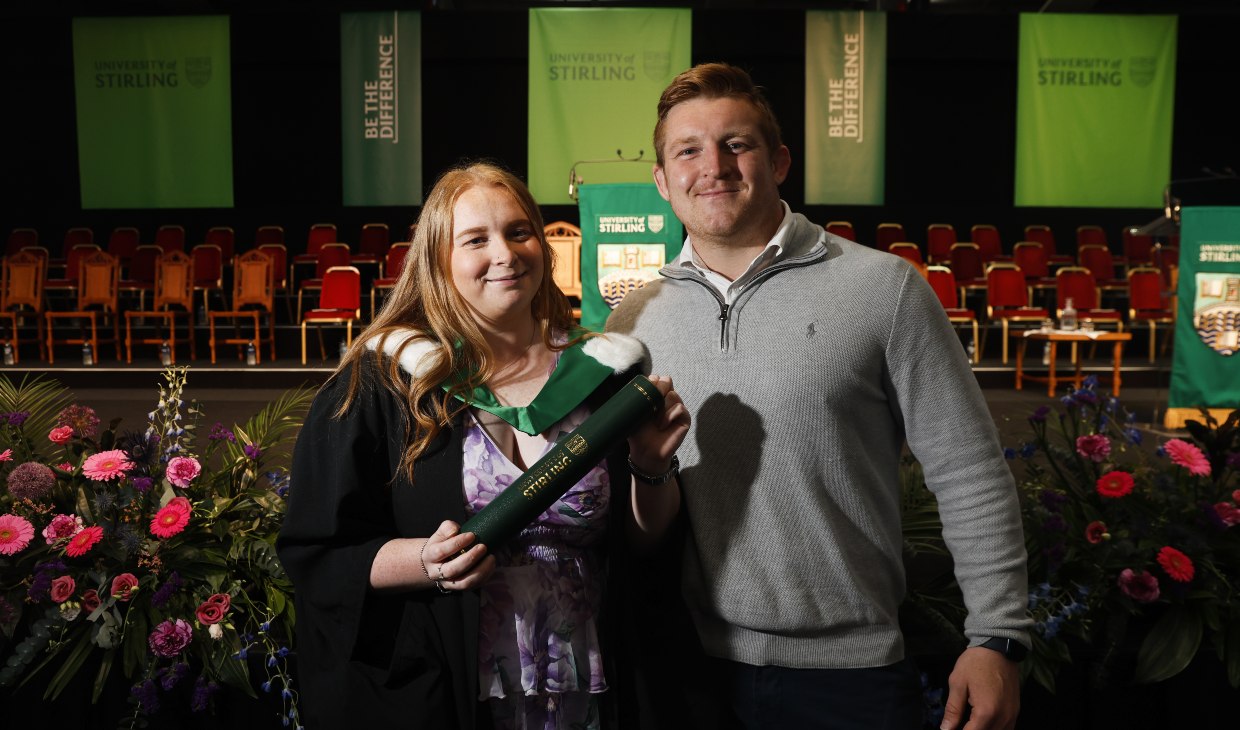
(442, 590)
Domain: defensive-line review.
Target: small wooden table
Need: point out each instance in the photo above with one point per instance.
(1053, 338)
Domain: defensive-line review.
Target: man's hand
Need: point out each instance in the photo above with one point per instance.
(989, 684)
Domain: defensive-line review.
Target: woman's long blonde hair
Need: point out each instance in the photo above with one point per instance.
(424, 299)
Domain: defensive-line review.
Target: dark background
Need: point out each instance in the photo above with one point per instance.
(950, 113)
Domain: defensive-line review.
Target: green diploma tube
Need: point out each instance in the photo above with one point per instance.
(565, 464)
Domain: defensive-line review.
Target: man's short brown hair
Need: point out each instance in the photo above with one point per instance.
(716, 81)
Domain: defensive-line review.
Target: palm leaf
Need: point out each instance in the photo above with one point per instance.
(41, 397)
(270, 426)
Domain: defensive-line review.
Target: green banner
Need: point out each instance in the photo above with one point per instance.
(595, 76)
(1205, 370)
(1095, 95)
(381, 108)
(628, 232)
(845, 107)
(154, 112)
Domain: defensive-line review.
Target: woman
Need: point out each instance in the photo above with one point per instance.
(466, 377)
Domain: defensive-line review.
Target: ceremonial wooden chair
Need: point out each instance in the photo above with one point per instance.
(340, 302)
(65, 288)
(21, 297)
(173, 297)
(97, 297)
(564, 238)
(252, 297)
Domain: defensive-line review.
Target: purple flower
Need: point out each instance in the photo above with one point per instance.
(1051, 499)
(1055, 523)
(41, 582)
(202, 694)
(170, 586)
(1233, 460)
(1039, 415)
(143, 484)
(173, 674)
(147, 694)
(17, 418)
(219, 432)
(170, 638)
(1087, 397)
(252, 451)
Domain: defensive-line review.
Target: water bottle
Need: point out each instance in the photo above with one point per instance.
(1046, 354)
(8, 353)
(1067, 318)
(88, 355)
(971, 350)
(344, 349)
(251, 354)
(165, 354)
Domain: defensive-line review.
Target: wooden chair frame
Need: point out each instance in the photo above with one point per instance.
(252, 287)
(98, 286)
(21, 297)
(174, 287)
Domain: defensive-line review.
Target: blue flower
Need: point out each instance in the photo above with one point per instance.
(1009, 453)
(1028, 449)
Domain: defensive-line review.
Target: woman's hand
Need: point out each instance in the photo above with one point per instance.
(652, 446)
(450, 562)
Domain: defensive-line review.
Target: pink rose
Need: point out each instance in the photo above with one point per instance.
(62, 588)
(124, 586)
(60, 434)
(210, 613)
(182, 470)
(90, 600)
(223, 600)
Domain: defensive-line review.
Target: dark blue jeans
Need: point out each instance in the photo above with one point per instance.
(880, 698)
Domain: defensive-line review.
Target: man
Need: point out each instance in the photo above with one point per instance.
(808, 361)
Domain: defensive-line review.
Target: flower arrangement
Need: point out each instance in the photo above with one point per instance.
(1134, 543)
(145, 553)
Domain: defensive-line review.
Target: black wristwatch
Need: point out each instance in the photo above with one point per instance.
(1010, 648)
(656, 480)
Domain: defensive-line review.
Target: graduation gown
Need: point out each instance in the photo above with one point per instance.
(401, 659)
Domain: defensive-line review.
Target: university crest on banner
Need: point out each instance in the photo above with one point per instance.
(1216, 312)
(654, 223)
(198, 70)
(1142, 69)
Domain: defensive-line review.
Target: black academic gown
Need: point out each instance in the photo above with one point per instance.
(406, 659)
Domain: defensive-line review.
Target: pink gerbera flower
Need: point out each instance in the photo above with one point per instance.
(6, 455)
(106, 465)
(1188, 456)
(1115, 484)
(84, 541)
(15, 534)
(172, 518)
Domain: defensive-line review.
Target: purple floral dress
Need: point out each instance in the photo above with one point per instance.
(539, 662)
